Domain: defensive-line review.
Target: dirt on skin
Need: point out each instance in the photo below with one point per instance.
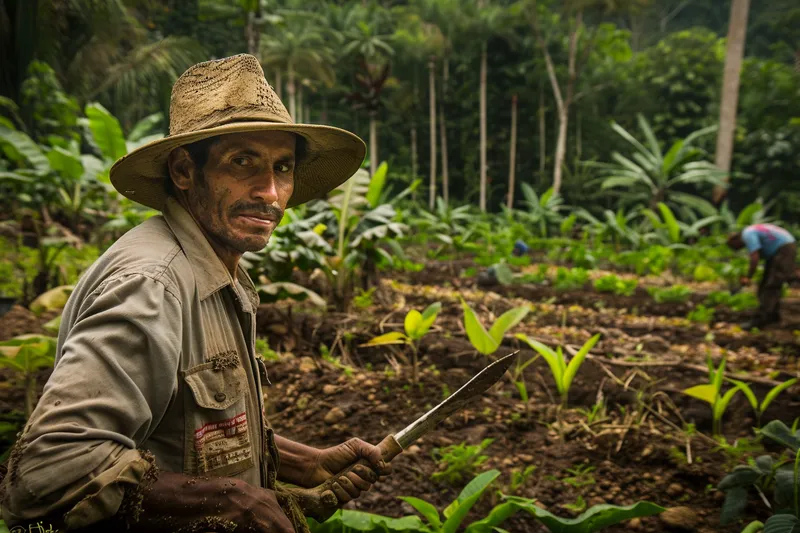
(131, 508)
(211, 523)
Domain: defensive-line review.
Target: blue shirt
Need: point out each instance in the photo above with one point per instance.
(765, 238)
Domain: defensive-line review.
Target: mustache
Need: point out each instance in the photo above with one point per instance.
(256, 208)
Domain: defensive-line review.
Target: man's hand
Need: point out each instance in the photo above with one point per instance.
(335, 459)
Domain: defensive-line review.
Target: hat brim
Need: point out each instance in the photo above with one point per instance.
(332, 156)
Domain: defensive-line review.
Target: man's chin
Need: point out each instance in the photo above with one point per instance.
(254, 243)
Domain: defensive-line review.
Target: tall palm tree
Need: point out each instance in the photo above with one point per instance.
(298, 46)
(737, 32)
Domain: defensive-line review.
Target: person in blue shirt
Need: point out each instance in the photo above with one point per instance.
(778, 248)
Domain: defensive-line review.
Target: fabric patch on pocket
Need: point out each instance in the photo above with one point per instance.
(222, 444)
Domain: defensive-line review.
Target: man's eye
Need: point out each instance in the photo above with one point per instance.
(283, 167)
(241, 161)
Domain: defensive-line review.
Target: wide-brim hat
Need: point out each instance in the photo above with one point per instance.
(231, 95)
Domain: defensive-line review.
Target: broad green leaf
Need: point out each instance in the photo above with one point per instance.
(426, 320)
(476, 333)
(577, 361)
(499, 514)
(747, 215)
(457, 511)
(748, 392)
(393, 337)
(774, 392)
(23, 147)
(52, 299)
(360, 522)
(281, 290)
(734, 505)
(742, 476)
(754, 527)
(425, 509)
(66, 163)
(671, 222)
(707, 393)
(779, 432)
(595, 518)
(106, 132)
(145, 127)
(52, 326)
(412, 321)
(377, 181)
(507, 320)
(782, 523)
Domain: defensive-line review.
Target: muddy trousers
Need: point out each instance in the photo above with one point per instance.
(779, 269)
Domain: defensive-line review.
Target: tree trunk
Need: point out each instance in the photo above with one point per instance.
(414, 163)
(484, 68)
(324, 117)
(292, 96)
(737, 32)
(578, 135)
(299, 118)
(278, 84)
(512, 158)
(443, 132)
(251, 31)
(373, 145)
(432, 101)
(542, 134)
(561, 149)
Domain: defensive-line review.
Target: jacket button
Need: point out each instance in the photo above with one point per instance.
(220, 397)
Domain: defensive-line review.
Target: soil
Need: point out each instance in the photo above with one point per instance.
(326, 388)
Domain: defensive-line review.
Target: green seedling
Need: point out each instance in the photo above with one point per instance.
(616, 285)
(488, 342)
(711, 392)
(570, 279)
(578, 506)
(563, 373)
(416, 326)
(675, 294)
(26, 355)
(580, 476)
(701, 314)
(773, 393)
(519, 477)
(459, 460)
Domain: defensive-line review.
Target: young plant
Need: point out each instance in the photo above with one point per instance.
(26, 355)
(458, 461)
(616, 285)
(675, 294)
(416, 325)
(570, 279)
(763, 474)
(562, 372)
(488, 342)
(711, 392)
(701, 314)
(773, 393)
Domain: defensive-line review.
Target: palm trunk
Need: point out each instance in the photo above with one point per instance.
(737, 32)
(373, 145)
(299, 118)
(482, 104)
(432, 102)
(512, 158)
(578, 141)
(278, 84)
(292, 96)
(443, 132)
(561, 149)
(251, 32)
(542, 134)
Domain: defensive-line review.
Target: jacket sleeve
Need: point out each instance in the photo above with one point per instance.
(114, 381)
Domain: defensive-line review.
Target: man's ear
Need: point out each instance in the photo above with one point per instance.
(182, 170)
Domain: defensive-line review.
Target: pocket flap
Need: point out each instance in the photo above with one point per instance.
(215, 389)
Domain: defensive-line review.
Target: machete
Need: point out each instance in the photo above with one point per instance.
(392, 445)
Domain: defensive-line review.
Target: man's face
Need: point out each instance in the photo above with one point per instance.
(240, 194)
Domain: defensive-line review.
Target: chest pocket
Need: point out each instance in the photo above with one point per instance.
(216, 421)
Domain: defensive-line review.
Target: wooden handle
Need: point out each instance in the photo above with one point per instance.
(389, 448)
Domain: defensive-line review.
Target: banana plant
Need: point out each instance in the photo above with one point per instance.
(416, 326)
(773, 393)
(711, 393)
(563, 372)
(25, 355)
(487, 342)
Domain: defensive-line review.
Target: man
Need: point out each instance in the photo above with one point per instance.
(778, 248)
(153, 419)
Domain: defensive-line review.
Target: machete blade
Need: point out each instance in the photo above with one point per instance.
(479, 384)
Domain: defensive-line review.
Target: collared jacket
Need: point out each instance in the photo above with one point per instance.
(156, 353)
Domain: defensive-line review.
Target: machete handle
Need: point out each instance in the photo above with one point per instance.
(321, 501)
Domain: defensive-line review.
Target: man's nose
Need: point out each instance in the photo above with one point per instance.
(266, 189)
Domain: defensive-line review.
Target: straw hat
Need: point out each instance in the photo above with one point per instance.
(231, 95)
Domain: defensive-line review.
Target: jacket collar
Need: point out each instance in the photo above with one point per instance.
(209, 271)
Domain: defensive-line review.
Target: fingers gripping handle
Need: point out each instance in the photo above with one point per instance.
(321, 502)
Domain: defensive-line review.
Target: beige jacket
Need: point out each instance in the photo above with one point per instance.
(155, 352)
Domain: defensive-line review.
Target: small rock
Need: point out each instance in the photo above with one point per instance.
(370, 397)
(525, 458)
(680, 518)
(334, 416)
(674, 489)
(329, 389)
(413, 449)
(635, 523)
